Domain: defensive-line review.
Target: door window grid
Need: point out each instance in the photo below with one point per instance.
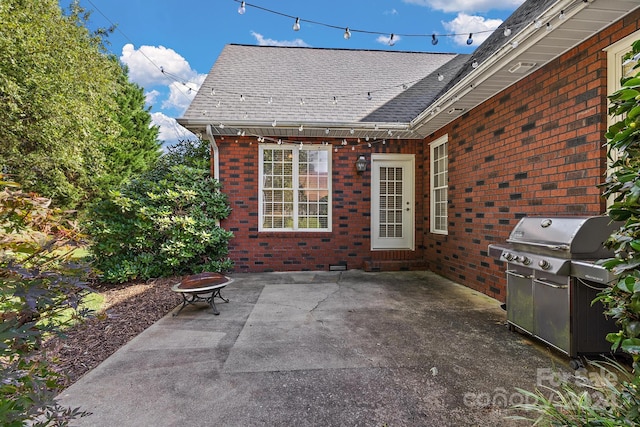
(391, 202)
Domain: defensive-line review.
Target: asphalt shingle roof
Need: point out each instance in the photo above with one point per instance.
(261, 84)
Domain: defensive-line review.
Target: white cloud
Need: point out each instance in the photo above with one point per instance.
(387, 39)
(271, 42)
(146, 62)
(471, 6)
(151, 97)
(181, 94)
(464, 24)
(170, 131)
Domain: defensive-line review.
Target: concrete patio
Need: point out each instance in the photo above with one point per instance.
(321, 349)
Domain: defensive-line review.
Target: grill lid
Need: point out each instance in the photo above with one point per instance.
(574, 237)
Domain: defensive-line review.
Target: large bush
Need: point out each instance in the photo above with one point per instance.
(39, 282)
(163, 223)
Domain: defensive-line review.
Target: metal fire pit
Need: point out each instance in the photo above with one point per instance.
(552, 279)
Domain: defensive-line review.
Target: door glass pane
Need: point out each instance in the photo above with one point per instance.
(390, 202)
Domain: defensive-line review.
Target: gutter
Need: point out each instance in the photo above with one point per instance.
(379, 129)
(214, 161)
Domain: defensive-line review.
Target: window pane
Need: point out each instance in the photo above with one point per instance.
(295, 185)
(439, 185)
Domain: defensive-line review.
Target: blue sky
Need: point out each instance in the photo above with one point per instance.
(185, 37)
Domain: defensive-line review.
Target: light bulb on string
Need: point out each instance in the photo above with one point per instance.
(347, 34)
(549, 26)
(369, 97)
(440, 77)
(470, 39)
(335, 101)
(475, 64)
(392, 40)
(270, 101)
(274, 124)
(242, 9)
(507, 32)
(434, 39)
(296, 25)
(326, 131)
(301, 128)
(537, 23)
(562, 15)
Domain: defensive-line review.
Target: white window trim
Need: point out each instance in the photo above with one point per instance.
(615, 53)
(432, 146)
(295, 150)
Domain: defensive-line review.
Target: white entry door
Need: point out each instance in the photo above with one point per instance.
(392, 201)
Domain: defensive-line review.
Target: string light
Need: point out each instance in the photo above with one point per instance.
(347, 32)
(393, 38)
(242, 9)
(470, 39)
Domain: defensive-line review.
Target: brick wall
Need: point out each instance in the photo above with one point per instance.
(349, 242)
(534, 149)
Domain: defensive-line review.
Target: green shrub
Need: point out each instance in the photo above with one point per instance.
(39, 280)
(164, 223)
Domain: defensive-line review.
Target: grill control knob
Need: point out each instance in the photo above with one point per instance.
(544, 264)
(509, 256)
(525, 260)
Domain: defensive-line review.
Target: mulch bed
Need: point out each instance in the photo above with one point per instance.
(130, 309)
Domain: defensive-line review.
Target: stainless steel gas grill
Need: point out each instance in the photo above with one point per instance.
(552, 279)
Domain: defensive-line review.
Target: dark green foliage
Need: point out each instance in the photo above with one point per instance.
(136, 148)
(161, 224)
(38, 281)
(72, 125)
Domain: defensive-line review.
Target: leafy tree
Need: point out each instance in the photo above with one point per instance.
(72, 125)
(38, 280)
(136, 148)
(163, 223)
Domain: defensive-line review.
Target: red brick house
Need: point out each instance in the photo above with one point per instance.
(457, 147)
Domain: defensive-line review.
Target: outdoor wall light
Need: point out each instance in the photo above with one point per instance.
(361, 164)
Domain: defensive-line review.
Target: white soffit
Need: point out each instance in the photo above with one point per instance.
(540, 47)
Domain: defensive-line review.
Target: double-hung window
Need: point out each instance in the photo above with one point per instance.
(295, 188)
(439, 185)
